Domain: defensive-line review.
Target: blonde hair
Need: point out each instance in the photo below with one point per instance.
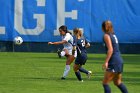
(77, 32)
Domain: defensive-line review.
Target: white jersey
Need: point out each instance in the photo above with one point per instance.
(69, 45)
(69, 40)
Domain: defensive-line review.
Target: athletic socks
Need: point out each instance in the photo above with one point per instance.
(122, 88)
(66, 71)
(78, 75)
(106, 88)
(63, 53)
(83, 70)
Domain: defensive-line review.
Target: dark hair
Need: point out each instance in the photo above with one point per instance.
(64, 28)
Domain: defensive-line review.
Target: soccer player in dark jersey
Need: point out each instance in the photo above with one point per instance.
(80, 45)
(113, 64)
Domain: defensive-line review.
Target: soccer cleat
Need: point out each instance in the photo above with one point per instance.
(59, 53)
(63, 78)
(89, 74)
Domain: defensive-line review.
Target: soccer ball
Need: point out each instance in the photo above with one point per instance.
(18, 40)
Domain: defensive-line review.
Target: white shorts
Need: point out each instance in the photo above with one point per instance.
(70, 52)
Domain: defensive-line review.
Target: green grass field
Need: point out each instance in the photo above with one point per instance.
(41, 72)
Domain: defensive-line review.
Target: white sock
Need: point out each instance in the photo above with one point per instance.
(63, 53)
(66, 71)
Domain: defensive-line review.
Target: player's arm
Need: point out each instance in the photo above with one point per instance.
(73, 50)
(57, 43)
(87, 44)
(74, 45)
(109, 51)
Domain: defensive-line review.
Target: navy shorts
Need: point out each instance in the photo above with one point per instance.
(81, 60)
(115, 68)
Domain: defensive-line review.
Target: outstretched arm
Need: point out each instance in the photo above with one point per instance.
(57, 43)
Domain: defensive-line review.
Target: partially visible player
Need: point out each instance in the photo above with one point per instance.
(67, 41)
(80, 45)
(113, 64)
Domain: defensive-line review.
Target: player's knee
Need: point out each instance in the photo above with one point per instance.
(75, 68)
(116, 83)
(105, 81)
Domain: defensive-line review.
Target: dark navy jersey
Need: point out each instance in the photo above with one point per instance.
(80, 45)
(115, 44)
(115, 58)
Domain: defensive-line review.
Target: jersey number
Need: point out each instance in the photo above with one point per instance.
(83, 43)
(116, 40)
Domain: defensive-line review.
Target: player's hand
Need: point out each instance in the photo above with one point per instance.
(50, 43)
(105, 66)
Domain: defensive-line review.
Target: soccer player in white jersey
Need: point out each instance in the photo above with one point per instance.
(67, 41)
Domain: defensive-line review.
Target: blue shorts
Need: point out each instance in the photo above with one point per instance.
(115, 68)
(81, 60)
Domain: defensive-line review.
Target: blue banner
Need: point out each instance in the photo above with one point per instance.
(39, 20)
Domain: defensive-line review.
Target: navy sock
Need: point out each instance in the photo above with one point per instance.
(78, 75)
(106, 88)
(83, 70)
(122, 88)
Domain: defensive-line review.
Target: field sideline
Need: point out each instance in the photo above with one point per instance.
(41, 72)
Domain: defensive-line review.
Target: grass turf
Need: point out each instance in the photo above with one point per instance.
(41, 72)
